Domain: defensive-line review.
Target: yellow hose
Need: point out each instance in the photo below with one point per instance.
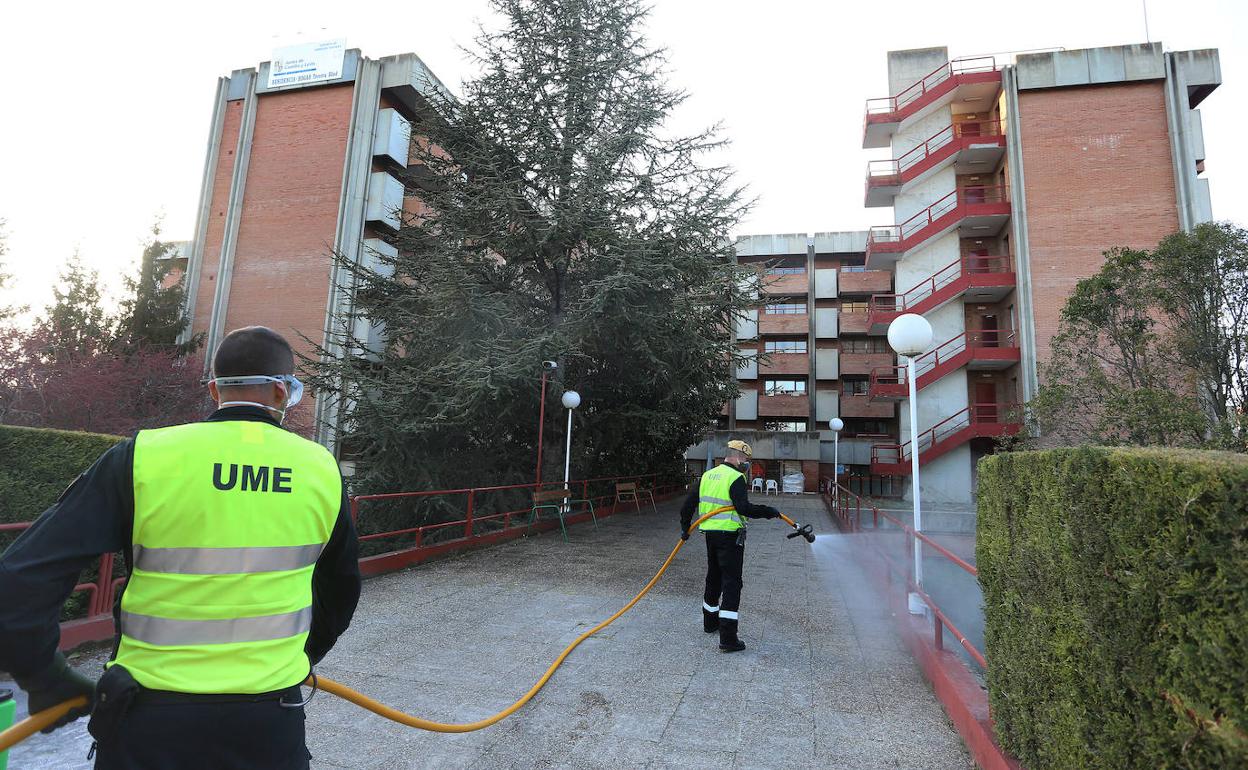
(36, 722)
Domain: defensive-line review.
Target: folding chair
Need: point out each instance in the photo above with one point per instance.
(630, 493)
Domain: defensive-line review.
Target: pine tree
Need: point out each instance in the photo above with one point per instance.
(560, 220)
(75, 324)
(153, 313)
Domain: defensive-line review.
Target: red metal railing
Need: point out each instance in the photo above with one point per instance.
(966, 196)
(474, 529)
(943, 353)
(878, 108)
(894, 171)
(973, 416)
(849, 509)
(966, 266)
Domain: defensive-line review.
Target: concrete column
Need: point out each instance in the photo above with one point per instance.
(1024, 302)
(195, 259)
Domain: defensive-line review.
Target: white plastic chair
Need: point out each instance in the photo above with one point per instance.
(757, 486)
(772, 487)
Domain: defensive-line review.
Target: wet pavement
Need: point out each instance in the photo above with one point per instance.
(824, 682)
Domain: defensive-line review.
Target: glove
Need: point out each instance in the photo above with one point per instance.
(55, 684)
(772, 513)
(684, 534)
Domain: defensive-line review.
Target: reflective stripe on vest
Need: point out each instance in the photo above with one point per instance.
(229, 520)
(713, 492)
(225, 561)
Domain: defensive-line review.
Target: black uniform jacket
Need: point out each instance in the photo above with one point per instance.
(96, 515)
(737, 493)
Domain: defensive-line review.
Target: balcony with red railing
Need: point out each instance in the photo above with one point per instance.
(980, 350)
(978, 211)
(977, 79)
(979, 278)
(975, 421)
(970, 147)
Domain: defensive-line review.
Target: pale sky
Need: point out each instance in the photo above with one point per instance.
(107, 104)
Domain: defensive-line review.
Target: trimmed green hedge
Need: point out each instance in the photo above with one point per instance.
(1116, 592)
(36, 465)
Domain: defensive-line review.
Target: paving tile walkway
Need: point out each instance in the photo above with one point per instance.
(824, 683)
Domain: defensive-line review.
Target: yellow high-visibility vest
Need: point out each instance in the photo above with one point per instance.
(713, 493)
(229, 520)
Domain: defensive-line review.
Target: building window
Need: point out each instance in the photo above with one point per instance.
(784, 346)
(786, 426)
(853, 268)
(786, 271)
(786, 308)
(784, 387)
(860, 427)
(869, 345)
(854, 307)
(854, 387)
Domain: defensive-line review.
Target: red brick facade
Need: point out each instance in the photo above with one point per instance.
(1098, 174)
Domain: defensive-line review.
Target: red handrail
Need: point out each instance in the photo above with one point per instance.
(970, 265)
(962, 196)
(975, 414)
(895, 167)
(890, 104)
(849, 507)
(104, 589)
(956, 346)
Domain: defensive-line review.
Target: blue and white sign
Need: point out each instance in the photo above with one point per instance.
(307, 63)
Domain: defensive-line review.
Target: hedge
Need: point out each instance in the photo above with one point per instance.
(36, 465)
(1115, 589)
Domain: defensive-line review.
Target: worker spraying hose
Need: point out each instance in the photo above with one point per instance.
(52, 715)
(724, 488)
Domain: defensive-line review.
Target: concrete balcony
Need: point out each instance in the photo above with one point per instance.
(784, 405)
(866, 282)
(798, 323)
(855, 323)
(975, 211)
(958, 80)
(863, 406)
(785, 363)
(864, 363)
(786, 285)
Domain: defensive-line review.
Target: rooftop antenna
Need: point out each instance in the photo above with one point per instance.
(1147, 38)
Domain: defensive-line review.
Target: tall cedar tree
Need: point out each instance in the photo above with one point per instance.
(7, 312)
(1153, 349)
(559, 220)
(153, 312)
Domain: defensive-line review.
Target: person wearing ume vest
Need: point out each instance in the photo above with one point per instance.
(242, 573)
(724, 485)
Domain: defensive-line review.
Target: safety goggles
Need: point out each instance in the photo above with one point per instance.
(294, 388)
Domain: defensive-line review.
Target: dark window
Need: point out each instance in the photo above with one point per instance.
(854, 387)
(786, 271)
(869, 345)
(784, 387)
(784, 346)
(788, 426)
(786, 308)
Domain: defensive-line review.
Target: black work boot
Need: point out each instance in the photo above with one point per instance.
(710, 621)
(728, 641)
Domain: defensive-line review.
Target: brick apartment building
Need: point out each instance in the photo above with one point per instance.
(295, 172)
(1007, 182)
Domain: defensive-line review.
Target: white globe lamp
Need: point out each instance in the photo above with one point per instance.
(571, 400)
(911, 335)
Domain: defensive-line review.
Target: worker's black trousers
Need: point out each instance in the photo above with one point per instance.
(724, 560)
(207, 736)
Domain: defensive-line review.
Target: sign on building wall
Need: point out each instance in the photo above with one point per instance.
(307, 63)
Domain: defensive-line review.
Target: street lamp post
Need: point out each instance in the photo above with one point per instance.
(547, 368)
(571, 400)
(910, 335)
(836, 425)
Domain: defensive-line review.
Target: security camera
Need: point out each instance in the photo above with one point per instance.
(550, 366)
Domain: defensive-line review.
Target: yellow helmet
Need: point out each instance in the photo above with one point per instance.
(741, 447)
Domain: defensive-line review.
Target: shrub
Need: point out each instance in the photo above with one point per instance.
(36, 465)
(1116, 593)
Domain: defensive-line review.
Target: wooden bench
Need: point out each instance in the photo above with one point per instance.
(630, 493)
(561, 502)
